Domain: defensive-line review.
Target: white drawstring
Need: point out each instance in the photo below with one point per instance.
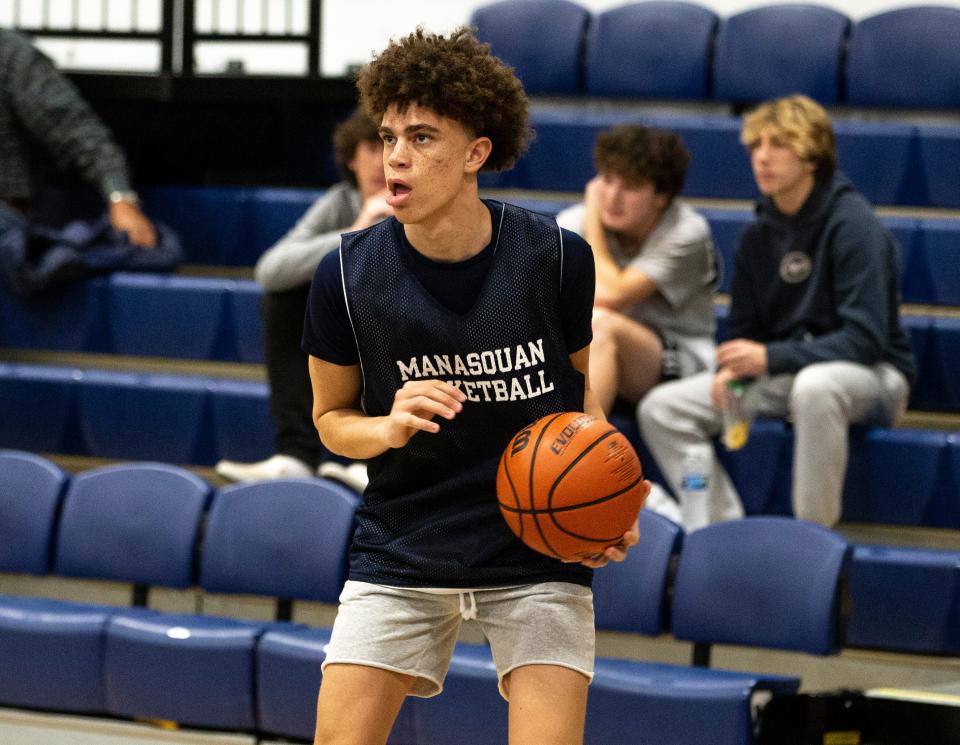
(471, 612)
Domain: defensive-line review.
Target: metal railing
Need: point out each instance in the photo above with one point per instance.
(181, 27)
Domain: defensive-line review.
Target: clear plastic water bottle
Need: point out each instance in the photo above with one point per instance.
(695, 485)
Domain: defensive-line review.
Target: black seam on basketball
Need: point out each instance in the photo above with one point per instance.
(533, 462)
(513, 489)
(553, 487)
(571, 507)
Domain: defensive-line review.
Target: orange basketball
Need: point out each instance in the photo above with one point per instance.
(569, 485)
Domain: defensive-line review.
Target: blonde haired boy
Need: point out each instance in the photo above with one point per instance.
(814, 321)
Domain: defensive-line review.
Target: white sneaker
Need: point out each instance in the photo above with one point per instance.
(353, 474)
(278, 467)
(663, 504)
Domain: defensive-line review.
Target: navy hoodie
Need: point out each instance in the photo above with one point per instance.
(820, 285)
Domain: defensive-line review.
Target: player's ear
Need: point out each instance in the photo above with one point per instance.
(477, 153)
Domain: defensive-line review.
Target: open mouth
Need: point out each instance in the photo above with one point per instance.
(399, 192)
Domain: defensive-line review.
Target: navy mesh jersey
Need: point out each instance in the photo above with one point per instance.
(430, 516)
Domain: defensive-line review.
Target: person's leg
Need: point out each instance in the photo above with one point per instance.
(357, 704)
(825, 400)
(548, 705)
(674, 417)
(625, 358)
(542, 640)
(291, 395)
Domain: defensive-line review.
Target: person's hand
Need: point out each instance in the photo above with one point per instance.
(744, 358)
(618, 552)
(373, 210)
(414, 407)
(127, 217)
(718, 389)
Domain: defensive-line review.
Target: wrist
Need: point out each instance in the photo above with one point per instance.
(123, 196)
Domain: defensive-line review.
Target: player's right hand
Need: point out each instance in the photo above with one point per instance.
(414, 407)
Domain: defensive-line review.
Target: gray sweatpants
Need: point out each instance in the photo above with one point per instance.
(821, 401)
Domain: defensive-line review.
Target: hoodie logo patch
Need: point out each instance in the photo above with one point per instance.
(795, 267)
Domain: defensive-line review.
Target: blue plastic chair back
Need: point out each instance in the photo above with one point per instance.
(30, 491)
(761, 581)
(286, 538)
(541, 39)
(907, 57)
(136, 522)
(658, 49)
(777, 50)
(631, 595)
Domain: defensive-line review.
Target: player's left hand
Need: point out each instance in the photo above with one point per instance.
(617, 552)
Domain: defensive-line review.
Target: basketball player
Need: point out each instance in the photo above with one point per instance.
(434, 337)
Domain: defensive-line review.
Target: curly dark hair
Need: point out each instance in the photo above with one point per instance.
(639, 154)
(347, 135)
(456, 77)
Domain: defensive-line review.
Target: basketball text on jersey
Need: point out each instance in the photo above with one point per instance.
(467, 371)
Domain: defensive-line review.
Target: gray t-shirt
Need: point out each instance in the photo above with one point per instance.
(292, 260)
(679, 259)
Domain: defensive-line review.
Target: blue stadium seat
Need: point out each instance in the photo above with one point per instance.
(145, 518)
(285, 539)
(919, 331)
(30, 491)
(70, 320)
(939, 161)
(541, 39)
(194, 670)
(134, 523)
(879, 158)
(936, 265)
(657, 49)
(632, 596)
(560, 159)
(737, 582)
(905, 599)
(272, 212)
(39, 409)
(907, 57)
(146, 417)
(51, 654)
(941, 391)
(647, 703)
(778, 50)
(905, 475)
(212, 222)
(245, 320)
(170, 316)
(242, 426)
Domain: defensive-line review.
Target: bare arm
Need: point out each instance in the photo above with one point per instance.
(617, 287)
(344, 429)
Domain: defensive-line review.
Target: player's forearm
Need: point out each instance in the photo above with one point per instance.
(351, 433)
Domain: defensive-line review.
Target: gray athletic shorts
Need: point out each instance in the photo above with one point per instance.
(413, 632)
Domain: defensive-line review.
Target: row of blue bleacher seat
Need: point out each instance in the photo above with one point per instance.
(219, 319)
(891, 163)
(677, 50)
(897, 476)
(905, 57)
(234, 226)
(736, 584)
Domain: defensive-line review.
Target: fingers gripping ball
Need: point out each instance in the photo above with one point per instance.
(569, 485)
